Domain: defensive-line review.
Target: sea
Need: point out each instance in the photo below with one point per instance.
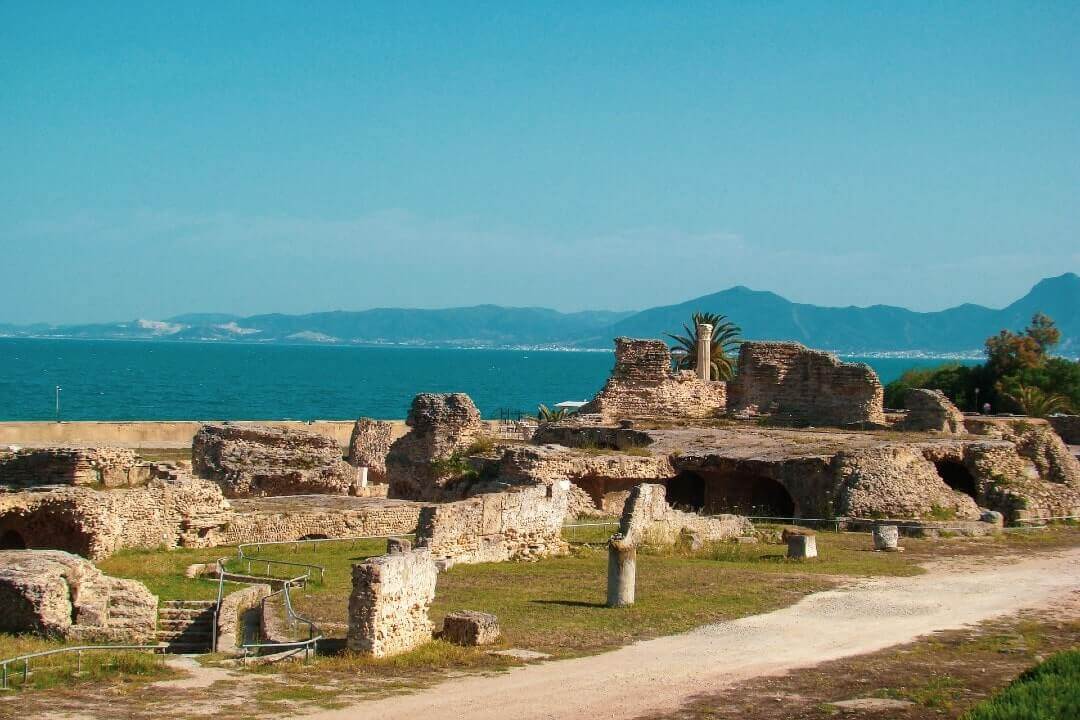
(156, 380)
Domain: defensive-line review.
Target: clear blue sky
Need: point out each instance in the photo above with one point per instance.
(158, 158)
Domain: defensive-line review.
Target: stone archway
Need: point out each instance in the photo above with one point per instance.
(686, 491)
(730, 491)
(12, 540)
(957, 476)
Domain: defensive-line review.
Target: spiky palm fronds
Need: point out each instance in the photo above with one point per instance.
(1033, 402)
(725, 340)
(546, 414)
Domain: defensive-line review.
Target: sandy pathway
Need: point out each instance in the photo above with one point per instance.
(661, 674)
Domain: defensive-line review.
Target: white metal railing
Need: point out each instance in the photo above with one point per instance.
(77, 649)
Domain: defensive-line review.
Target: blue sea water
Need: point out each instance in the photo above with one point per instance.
(132, 380)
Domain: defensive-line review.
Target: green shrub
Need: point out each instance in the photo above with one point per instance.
(1049, 691)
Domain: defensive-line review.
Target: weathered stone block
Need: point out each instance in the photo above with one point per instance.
(368, 446)
(55, 593)
(388, 608)
(469, 627)
(886, 538)
(801, 547)
(931, 410)
(398, 545)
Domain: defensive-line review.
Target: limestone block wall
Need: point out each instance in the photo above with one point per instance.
(931, 410)
(442, 425)
(105, 466)
(642, 385)
(368, 446)
(54, 593)
(96, 523)
(388, 608)
(803, 386)
(396, 519)
(523, 522)
(230, 616)
(253, 461)
(647, 518)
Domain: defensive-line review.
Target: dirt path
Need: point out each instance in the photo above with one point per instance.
(661, 674)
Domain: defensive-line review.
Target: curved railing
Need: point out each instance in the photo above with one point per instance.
(243, 549)
(309, 645)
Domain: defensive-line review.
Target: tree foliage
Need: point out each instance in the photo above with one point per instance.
(1019, 375)
(725, 341)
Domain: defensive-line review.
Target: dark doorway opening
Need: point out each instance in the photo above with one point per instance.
(686, 492)
(314, 536)
(957, 476)
(747, 494)
(12, 540)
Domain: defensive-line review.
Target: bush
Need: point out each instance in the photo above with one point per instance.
(1049, 691)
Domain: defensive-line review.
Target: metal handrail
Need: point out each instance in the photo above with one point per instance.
(159, 647)
(242, 549)
(312, 640)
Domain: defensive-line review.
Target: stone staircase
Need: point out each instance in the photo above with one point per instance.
(186, 626)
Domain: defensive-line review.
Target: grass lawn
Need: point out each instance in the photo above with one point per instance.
(1048, 691)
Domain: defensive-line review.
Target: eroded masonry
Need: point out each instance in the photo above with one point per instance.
(680, 457)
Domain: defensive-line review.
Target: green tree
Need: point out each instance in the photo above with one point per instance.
(1035, 403)
(725, 340)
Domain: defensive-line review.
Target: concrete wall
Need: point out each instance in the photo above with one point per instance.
(152, 434)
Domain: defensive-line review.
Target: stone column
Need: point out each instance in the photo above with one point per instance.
(704, 351)
(622, 571)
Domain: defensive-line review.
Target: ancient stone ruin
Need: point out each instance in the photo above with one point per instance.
(796, 385)
(368, 446)
(55, 593)
(101, 466)
(178, 511)
(642, 385)
(521, 523)
(422, 464)
(930, 410)
(648, 519)
(469, 627)
(251, 461)
(388, 608)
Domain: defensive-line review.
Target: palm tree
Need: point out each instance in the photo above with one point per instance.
(1033, 402)
(545, 414)
(725, 340)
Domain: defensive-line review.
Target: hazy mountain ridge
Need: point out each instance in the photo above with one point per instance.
(761, 314)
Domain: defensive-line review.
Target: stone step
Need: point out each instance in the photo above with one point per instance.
(173, 625)
(182, 636)
(180, 613)
(186, 648)
(188, 604)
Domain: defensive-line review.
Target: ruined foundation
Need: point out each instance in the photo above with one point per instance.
(388, 608)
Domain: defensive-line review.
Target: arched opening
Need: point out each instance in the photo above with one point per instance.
(746, 493)
(957, 476)
(686, 491)
(12, 540)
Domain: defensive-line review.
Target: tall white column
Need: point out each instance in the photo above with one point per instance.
(704, 351)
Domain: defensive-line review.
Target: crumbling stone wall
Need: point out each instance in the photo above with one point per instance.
(642, 385)
(368, 446)
(1035, 440)
(647, 518)
(54, 593)
(293, 519)
(521, 523)
(805, 387)
(108, 466)
(251, 461)
(605, 478)
(420, 465)
(388, 608)
(931, 410)
(179, 511)
(898, 481)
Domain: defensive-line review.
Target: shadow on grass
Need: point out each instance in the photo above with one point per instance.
(570, 603)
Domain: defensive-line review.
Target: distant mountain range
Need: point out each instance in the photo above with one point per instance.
(879, 329)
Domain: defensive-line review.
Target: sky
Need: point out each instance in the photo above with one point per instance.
(250, 157)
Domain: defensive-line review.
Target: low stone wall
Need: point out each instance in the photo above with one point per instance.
(648, 519)
(260, 461)
(795, 384)
(178, 511)
(54, 593)
(110, 467)
(299, 517)
(521, 523)
(230, 615)
(388, 608)
(642, 385)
